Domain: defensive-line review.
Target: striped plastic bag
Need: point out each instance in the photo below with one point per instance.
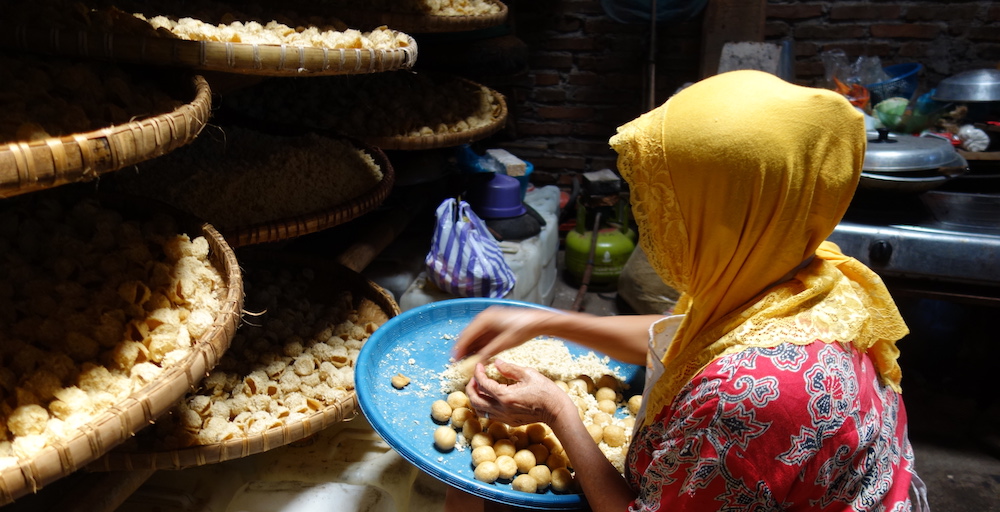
(464, 259)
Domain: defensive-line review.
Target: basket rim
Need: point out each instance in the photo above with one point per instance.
(141, 407)
(421, 23)
(343, 410)
(311, 222)
(226, 57)
(402, 142)
(103, 150)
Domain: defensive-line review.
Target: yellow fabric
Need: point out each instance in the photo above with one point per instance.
(736, 182)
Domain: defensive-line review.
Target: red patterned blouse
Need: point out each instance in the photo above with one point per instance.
(787, 428)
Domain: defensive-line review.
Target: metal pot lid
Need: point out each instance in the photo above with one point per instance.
(891, 152)
(974, 85)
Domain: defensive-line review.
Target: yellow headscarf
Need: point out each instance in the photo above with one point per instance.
(736, 182)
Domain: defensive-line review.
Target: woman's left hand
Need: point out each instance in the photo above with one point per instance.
(531, 398)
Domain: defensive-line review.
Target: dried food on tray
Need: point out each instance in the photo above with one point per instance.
(250, 39)
(418, 16)
(238, 177)
(293, 362)
(45, 97)
(105, 316)
(428, 7)
(401, 104)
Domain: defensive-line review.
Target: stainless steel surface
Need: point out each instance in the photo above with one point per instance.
(900, 184)
(893, 152)
(970, 86)
(964, 209)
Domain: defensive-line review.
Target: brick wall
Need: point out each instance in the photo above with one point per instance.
(587, 74)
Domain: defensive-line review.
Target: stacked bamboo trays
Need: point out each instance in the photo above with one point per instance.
(424, 23)
(372, 303)
(143, 406)
(448, 140)
(242, 58)
(312, 222)
(36, 165)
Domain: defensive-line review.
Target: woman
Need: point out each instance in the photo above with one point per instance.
(775, 386)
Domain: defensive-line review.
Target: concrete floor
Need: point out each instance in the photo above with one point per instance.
(954, 430)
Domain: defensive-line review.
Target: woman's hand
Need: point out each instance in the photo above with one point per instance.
(532, 397)
(499, 328)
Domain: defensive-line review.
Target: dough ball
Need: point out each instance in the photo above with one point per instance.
(508, 468)
(555, 461)
(578, 385)
(553, 444)
(628, 422)
(483, 454)
(633, 404)
(536, 432)
(458, 399)
(601, 418)
(471, 428)
(444, 438)
(460, 415)
(498, 430)
(480, 439)
(562, 385)
(521, 440)
(542, 476)
(540, 452)
(614, 435)
(487, 472)
(609, 381)
(525, 483)
(596, 432)
(607, 406)
(440, 411)
(504, 447)
(525, 460)
(399, 381)
(562, 480)
(606, 394)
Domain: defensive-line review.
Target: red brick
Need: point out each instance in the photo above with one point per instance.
(564, 112)
(582, 6)
(543, 78)
(795, 11)
(592, 95)
(557, 61)
(584, 78)
(941, 13)
(607, 62)
(569, 43)
(915, 50)
(557, 162)
(993, 14)
(984, 34)
(549, 95)
(529, 128)
(989, 52)
(585, 148)
(853, 50)
(906, 31)
(864, 11)
(776, 29)
(817, 31)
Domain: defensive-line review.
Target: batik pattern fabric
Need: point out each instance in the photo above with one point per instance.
(791, 427)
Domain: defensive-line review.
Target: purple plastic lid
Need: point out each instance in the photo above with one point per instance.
(497, 198)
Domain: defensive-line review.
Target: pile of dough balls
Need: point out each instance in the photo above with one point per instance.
(530, 457)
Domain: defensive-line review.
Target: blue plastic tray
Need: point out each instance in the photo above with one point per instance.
(418, 344)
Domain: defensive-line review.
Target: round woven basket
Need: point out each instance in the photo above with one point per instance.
(31, 166)
(449, 139)
(372, 303)
(423, 23)
(243, 58)
(284, 229)
(142, 407)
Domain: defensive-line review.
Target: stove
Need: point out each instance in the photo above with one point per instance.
(915, 253)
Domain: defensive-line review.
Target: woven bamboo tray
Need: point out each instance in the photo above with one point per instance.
(450, 139)
(137, 411)
(373, 304)
(422, 23)
(242, 58)
(31, 166)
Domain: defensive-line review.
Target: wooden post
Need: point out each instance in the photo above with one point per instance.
(728, 21)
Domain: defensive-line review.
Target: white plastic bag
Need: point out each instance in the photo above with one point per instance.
(464, 259)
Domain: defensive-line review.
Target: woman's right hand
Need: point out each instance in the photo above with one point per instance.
(499, 328)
